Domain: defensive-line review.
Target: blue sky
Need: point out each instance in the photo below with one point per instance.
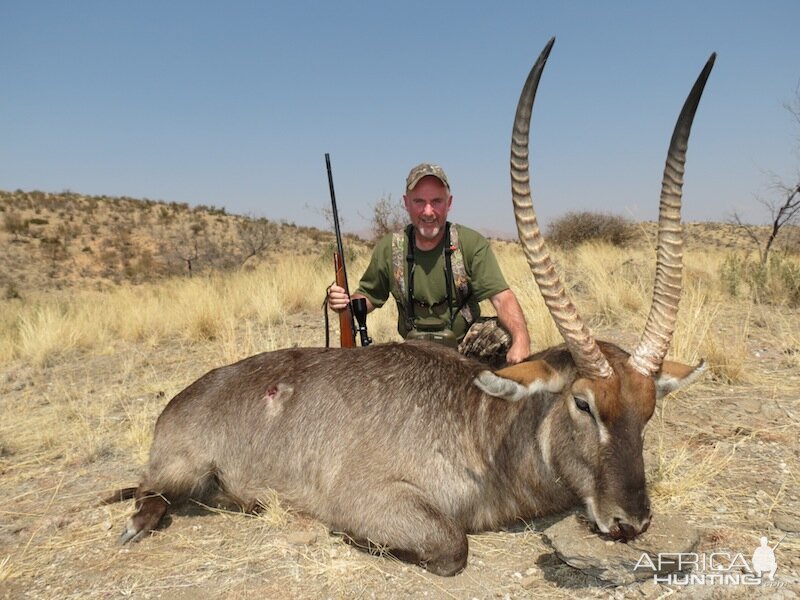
(235, 104)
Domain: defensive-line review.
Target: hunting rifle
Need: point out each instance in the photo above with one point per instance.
(358, 306)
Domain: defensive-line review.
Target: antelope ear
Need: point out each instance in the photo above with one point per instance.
(520, 381)
(675, 375)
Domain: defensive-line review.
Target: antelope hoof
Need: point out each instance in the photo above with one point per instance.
(129, 534)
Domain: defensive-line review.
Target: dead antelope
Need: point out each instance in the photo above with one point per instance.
(412, 446)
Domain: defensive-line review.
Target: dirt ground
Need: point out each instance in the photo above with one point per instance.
(726, 456)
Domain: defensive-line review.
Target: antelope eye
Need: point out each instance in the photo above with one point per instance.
(582, 405)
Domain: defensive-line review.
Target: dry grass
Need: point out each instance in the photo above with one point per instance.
(200, 309)
(681, 481)
(728, 356)
(612, 289)
(542, 330)
(614, 281)
(682, 476)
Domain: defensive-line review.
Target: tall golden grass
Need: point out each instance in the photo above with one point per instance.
(612, 289)
(243, 312)
(212, 309)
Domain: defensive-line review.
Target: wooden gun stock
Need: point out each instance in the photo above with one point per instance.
(347, 333)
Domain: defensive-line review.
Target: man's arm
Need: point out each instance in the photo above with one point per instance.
(374, 285)
(509, 314)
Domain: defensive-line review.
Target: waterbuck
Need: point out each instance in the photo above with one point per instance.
(411, 446)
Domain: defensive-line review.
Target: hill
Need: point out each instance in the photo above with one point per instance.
(64, 240)
(52, 241)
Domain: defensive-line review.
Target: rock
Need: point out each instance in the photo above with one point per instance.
(786, 522)
(650, 589)
(621, 563)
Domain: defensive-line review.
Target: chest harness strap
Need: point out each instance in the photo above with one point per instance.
(455, 276)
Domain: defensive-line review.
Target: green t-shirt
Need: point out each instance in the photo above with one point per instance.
(483, 273)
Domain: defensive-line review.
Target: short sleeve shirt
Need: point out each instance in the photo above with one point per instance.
(430, 293)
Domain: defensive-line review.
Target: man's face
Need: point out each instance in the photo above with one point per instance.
(427, 205)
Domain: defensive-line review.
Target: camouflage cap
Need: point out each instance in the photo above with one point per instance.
(423, 170)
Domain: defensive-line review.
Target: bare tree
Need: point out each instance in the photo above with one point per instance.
(188, 253)
(784, 212)
(784, 207)
(187, 245)
(256, 235)
(387, 217)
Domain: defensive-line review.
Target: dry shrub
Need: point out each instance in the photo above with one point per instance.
(14, 224)
(701, 269)
(776, 282)
(576, 228)
(300, 284)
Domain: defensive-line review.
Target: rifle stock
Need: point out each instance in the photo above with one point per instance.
(347, 334)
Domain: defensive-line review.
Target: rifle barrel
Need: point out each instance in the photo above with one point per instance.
(339, 244)
(345, 331)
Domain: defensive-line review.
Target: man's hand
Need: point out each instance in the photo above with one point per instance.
(337, 298)
(339, 301)
(518, 352)
(510, 316)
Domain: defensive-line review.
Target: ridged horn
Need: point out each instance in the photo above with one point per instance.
(654, 343)
(584, 349)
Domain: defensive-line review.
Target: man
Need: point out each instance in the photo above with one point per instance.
(438, 286)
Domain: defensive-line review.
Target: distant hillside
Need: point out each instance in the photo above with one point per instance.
(50, 241)
(728, 236)
(55, 240)
(706, 235)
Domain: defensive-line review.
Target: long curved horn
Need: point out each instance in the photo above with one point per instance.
(654, 343)
(580, 342)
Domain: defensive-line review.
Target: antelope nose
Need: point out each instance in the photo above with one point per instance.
(628, 531)
(623, 531)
